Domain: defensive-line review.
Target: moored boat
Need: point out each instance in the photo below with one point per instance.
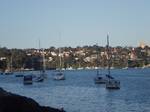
(59, 76)
(28, 79)
(111, 83)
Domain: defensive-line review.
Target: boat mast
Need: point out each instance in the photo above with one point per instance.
(43, 57)
(39, 45)
(44, 65)
(60, 61)
(97, 60)
(11, 63)
(108, 53)
(60, 58)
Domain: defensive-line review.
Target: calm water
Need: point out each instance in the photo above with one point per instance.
(78, 93)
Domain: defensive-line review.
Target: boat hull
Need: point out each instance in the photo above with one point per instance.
(113, 84)
(27, 80)
(59, 76)
(100, 80)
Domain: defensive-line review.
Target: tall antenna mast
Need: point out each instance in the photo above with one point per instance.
(108, 40)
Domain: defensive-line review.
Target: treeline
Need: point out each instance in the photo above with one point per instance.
(79, 57)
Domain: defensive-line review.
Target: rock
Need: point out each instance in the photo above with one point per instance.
(10, 102)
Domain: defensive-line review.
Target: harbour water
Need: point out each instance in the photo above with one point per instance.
(78, 93)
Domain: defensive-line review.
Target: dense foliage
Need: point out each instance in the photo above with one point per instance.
(86, 56)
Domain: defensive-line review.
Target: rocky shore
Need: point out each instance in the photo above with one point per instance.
(10, 102)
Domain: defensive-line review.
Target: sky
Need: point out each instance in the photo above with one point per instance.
(73, 23)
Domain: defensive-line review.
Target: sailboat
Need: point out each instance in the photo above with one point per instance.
(42, 75)
(30, 78)
(59, 75)
(99, 79)
(111, 82)
(9, 70)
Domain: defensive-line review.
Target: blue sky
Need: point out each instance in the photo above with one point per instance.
(80, 22)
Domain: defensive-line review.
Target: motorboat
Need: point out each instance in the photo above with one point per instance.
(28, 79)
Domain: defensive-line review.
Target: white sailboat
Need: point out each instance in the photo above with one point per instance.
(9, 71)
(42, 74)
(111, 82)
(59, 75)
